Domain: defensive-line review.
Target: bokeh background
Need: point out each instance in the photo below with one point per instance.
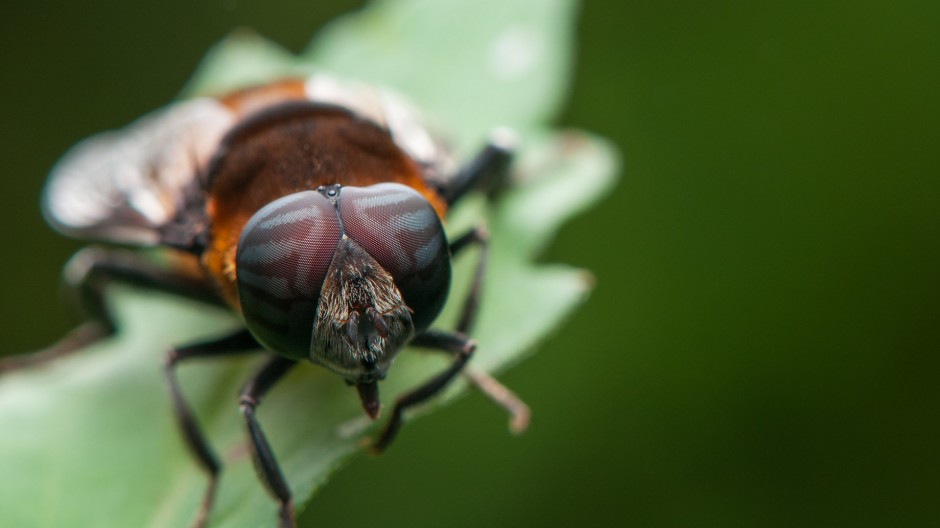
(762, 346)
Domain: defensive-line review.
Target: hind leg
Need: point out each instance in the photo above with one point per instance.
(87, 274)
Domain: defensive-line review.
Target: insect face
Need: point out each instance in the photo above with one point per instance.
(343, 276)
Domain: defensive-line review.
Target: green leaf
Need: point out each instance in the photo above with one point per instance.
(476, 64)
(242, 59)
(90, 439)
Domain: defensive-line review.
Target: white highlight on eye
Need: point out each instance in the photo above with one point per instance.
(383, 194)
(426, 255)
(289, 217)
(420, 219)
(515, 52)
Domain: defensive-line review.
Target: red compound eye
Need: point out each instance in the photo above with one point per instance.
(283, 255)
(402, 232)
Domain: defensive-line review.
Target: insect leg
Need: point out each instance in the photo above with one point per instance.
(460, 346)
(479, 236)
(487, 170)
(238, 343)
(518, 411)
(86, 275)
(261, 453)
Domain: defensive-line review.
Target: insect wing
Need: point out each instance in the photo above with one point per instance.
(122, 186)
(388, 109)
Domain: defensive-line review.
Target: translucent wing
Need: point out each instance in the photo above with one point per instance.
(408, 127)
(123, 186)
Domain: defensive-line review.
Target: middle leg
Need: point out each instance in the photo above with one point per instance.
(240, 342)
(518, 410)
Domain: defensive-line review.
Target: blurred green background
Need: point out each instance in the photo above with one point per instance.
(762, 346)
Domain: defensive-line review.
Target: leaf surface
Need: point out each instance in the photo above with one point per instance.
(90, 440)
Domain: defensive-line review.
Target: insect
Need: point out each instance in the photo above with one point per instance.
(313, 209)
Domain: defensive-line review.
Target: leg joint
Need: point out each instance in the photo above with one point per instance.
(247, 404)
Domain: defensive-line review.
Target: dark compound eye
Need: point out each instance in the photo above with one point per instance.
(402, 232)
(283, 255)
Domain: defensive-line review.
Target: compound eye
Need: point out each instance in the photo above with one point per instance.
(402, 232)
(282, 258)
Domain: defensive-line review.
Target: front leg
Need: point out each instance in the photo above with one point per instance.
(487, 171)
(456, 344)
(262, 455)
